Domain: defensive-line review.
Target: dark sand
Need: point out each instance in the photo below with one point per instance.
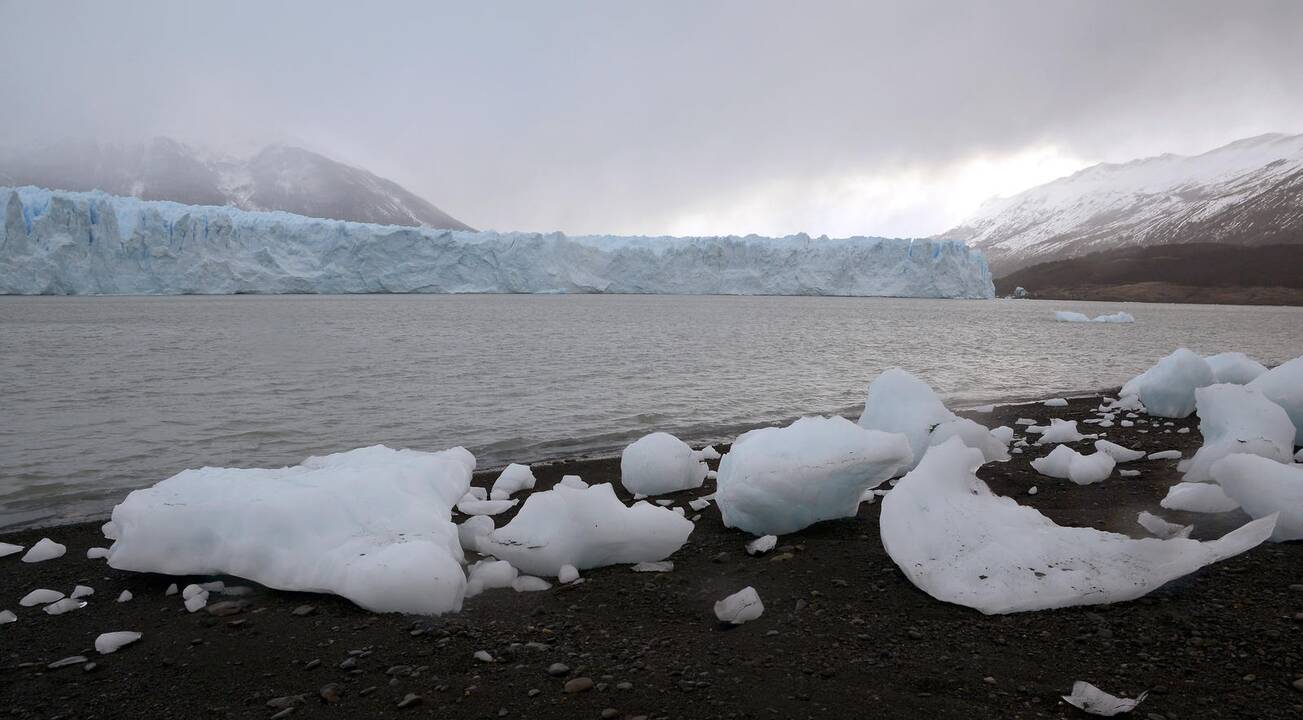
(844, 634)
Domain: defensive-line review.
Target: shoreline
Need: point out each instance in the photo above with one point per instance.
(843, 632)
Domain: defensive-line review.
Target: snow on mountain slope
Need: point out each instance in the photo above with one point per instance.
(277, 178)
(1249, 192)
(56, 242)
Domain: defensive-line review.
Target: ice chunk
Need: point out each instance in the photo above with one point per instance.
(195, 603)
(898, 402)
(1004, 434)
(957, 541)
(489, 574)
(1161, 528)
(1117, 452)
(1091, 699)
(1234, 367)
(192, 590)
(567, 574)
(1129, 473)
(1263, 487)
(573, 481)
(171, 590)
(779, 480)
(660, 463)
(994, 447)
(125, 596)
(658, 567)
(1055, 402)
(96, 553)
(1238, 419)
(514, 478)
(1167, 388)
(1164, 455)
(1198, 498)
(1064, 462)
(742, 606)
(82, 591)
(483, 656)
(585, 528)
(1024, 421)
(1117, 317)
(1283, 385)
(529, 583)
(1298, 456)
(41, 596)
(65, 605)
(469, 532)
(698, 504)
(9, 549)
(44, 549)
(708, 453)
(1070, 316)
(1059, 431)
(372, 525)
(984, 409)
(7, 616)
(475, 493)
(763, 544)
(1033, 490)
(471, 506)
(110, 642)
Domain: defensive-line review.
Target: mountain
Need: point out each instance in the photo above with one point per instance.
(68, 243)
(1247, 193)
(277, 178)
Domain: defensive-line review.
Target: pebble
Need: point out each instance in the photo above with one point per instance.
(610, 714)
(624, 686)
(283, 714)
(311, 664)
(286, 701)
(303, 610)
(534, 692)
(483, 656)
(227, 607)
(331, 693)
(73, 660)
(558, 669)
(410, 700)
(1298, 684)
(577, 685)
(367, 690)
(1296, 588)
(988, 680)
(348, 664)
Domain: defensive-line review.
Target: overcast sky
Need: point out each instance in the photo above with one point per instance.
(690, 117)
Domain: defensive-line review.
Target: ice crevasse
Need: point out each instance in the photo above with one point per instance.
(82, 243)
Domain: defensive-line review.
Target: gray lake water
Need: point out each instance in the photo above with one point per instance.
(102, 395)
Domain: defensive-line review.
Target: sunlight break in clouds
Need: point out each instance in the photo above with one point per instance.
(904, 202)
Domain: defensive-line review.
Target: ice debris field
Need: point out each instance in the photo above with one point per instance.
(87, 243)
(406, 531)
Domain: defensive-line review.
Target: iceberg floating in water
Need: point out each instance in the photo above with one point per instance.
(82, 243)
(960, 543)
(1070, 316)
(372, 525)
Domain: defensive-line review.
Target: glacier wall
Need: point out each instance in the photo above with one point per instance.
(87, 243)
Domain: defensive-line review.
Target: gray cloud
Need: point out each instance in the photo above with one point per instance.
(628, 117)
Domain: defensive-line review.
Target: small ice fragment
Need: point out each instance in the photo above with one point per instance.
(1055, 402)
(665, 503)
(698, 504)
(73, 660)
(215, 586)
(171, 590)
(567, 575)
(483, 656)
(471, 506)
(1117, 452)
(514, 478)
(82, 591)
(1165, 455)
(1091, 699)
(46, 549)
(1183, 431)
(96, 553)
(7, 616)
(191, 591)
(489, 574)
(1127, 423)
(197, 602)
(530, 583)
(1058, 431)
(1024, 421)
(1199, 498)
(742, 606)
(1128, 473)
(476, 493)
(40, 597)
(657, 566)
(1064, 462)
(64, 605)
(1161, 528)
(709, 453)
(573, 481)
(762, 545)
(469, 532)
(712, 475)
(680, 511)
(1033, 490)
(9, 549)
(110, 642)
(984, 409)
(125, 596)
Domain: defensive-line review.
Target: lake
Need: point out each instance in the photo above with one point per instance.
(101, 395)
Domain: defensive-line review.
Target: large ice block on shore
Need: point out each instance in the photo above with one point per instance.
(1238, 419)
(1167, 388)
(660, 463)
(1262, 488)
(776, 481)
(82, 243)
(1283, 385)
(960, 543)
(372, 525)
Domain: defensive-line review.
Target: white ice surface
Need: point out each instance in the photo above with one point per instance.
(1283, 385)
(1263, 487)
(1092, 700)
(9, 549)
(1238, 419)
(1117, 452)
(514, 478)
(1234, 367)
(740, 607)
(371, 525)
(898, 402)
(1198, 498)
(1064, 462)
(40, 596)
(660, 463)
(776, 481)
(110, 642)
(1167, 388)
(994, 445)
(44, 549)
(1161, 528)
(960, 543)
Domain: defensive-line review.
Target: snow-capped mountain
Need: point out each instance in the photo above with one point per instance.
(1249, 192)
(67, 243)
(277, 178)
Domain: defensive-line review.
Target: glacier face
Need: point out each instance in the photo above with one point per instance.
(85, 243)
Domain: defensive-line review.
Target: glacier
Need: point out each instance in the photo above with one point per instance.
(55, 242)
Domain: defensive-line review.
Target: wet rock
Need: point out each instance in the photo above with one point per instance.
(304, 610)
(558, 669)
(410, 700)
(73, 660)
(578, 685)
(283, 714)
(610, 714)
(331, 693)
(227, 607)
(348, 664)
(311, 664)
(534, 692)
(624, 686)
(286, 701)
